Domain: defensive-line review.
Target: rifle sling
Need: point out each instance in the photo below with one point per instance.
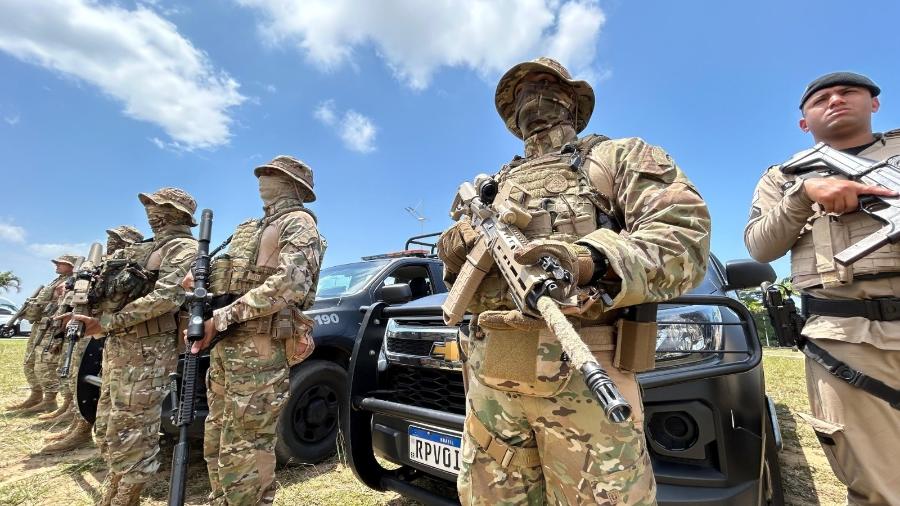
(881, 309)
(852, 376)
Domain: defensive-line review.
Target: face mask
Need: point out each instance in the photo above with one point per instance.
(542, 105)
(160, 217)
(273, 188)
(113, 243)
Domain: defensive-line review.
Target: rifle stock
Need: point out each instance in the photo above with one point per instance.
(198, 302)
(21, 312)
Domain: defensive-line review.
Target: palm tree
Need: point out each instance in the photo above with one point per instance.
(9, 280)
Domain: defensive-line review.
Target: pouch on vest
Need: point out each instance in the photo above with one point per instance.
(518, 354)
(830, 235)
(636, 339)
(296, 329)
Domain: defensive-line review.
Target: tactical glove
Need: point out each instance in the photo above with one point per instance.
(455, 243)
(575, 258)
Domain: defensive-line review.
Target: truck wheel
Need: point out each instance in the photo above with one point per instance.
(773, 492)
(308, 424)
(7, 332)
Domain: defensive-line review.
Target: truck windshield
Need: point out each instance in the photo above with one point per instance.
(343, 280)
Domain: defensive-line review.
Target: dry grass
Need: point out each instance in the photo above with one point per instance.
(73, 478)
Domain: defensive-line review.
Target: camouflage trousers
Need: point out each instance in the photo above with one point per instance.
(46, 367)
(137, 379)
(857, 431)
(556, 447)
(247, 385)
(71, 381)
(31, 355)
(101, 422)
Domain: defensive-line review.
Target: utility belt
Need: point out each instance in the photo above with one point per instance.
(290, 325)
(168, 322)
(236, 275)
(880, 309)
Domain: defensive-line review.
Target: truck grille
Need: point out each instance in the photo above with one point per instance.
(417, 347)
(427, 388)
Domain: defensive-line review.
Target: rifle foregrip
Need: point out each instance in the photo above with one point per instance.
(466, 284)
(188, 390)
(605, 391)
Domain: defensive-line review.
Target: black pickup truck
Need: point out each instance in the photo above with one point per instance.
(308, 425)
(711, 429)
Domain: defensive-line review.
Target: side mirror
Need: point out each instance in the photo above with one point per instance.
(743, 274)
(395, 294)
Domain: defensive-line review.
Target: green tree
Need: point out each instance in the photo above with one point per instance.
(752, 300)
(8, 280)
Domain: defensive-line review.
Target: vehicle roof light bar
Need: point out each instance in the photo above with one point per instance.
(420, 253)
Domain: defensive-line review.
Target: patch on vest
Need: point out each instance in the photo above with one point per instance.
(894, 160)
(556, 183)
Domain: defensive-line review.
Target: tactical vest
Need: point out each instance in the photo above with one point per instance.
(124, 278)
(235, 273)
(812, 257)
(554, 189)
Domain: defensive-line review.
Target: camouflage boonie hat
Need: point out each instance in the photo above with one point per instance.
(505, 97)
(293, 168)
(126, 233)
(175, 197)
(67, 259)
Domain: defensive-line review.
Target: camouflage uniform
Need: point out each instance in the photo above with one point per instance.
(35, 314)
(79, 429)
(857, 431)
(141, 347)
(271, 270)
(533, 434)
(46, 353)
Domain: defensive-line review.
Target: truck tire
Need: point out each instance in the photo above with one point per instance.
(308, 424)
(773, 491)
(7, 332)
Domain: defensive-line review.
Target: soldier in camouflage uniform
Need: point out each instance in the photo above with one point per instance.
(79, 429)
(141, 348)
(624, 218)
(39, 312)
(269, 275)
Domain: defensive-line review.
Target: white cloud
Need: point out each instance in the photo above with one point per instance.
(417, 38)
(53, 250)
(12, 233)
(355, 130)
(12, 120)
(135, 56)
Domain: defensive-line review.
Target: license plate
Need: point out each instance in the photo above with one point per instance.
(434, 449)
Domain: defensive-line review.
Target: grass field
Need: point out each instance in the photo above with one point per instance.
(73, 478)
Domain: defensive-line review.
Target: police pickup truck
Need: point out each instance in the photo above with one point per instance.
(711, 429)
(308, 425)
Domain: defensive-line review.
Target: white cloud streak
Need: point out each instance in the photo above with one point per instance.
(356, 131)
(53, 250)
(12, 120)
(134, 56)
(12, 233)
(416, 38)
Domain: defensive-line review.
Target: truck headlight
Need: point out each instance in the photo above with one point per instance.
(684, 330)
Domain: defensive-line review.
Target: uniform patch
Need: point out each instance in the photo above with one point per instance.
(894, 160)
(556, 183)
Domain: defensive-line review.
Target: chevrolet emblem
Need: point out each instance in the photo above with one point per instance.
(447, 350)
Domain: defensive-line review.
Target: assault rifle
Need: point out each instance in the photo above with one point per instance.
(532, 287)
(85, 277)
(57, 308)
(8, 328)
(198, 302)
(828, 161)
(786, 320)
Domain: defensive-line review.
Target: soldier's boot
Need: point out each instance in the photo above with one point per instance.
(109, 486)
(65, 432)
(127, 494)
(48, 403)
(80, 435)
(61, 410)
(33, 399)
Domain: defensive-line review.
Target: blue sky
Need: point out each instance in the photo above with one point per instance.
(391, 103)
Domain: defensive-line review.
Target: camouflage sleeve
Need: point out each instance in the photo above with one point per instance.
(664, 245)
(300, 256)
(167, 294)
(38, 306)
(777, 216)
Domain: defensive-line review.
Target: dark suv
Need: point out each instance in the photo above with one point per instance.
(710, 428)
(308, 425)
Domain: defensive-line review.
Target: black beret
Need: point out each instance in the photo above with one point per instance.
(836, 78)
